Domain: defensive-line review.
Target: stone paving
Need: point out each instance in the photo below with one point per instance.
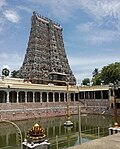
(109, 142)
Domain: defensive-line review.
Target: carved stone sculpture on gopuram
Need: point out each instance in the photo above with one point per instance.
(45, 59)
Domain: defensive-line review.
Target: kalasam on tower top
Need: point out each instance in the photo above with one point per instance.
(45, 59)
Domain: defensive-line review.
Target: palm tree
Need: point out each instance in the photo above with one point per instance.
(95, 72)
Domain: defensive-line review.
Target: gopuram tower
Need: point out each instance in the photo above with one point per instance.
(45, 59)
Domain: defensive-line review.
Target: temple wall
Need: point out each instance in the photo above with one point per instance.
(22, 100)
(22, 111)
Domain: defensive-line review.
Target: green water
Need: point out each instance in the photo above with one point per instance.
(92, 126)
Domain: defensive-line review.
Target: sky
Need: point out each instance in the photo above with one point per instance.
(91, 32)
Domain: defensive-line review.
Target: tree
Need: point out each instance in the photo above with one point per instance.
(5, 72)
(97, 79)
(95, 72)
(108, 74)
(86, 81)
(14, 74)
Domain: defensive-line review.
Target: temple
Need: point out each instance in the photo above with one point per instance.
(45, 59)
(44, 77)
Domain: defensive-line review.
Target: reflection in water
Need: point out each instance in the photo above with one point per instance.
(55, 127)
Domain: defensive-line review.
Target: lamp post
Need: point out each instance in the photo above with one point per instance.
(68, 122)
(79, 120)
(68, 103)
(114, 87)
(115, 113)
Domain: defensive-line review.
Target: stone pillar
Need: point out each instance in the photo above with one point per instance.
(17, 97)
(59, 97)
(101, 95)
(8, 100)
(33, 97)
(26, 97)
(47, 97)
(64, 97)
(84, 95)
(40, 97)
(53, 97)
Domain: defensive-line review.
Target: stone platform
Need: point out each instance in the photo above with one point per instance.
(109, 142)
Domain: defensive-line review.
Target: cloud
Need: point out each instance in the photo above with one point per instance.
(93, 60)
(62, 9)
(99, 37)
(5, 66)
(94, 33)
(12, 16)
(2, 22)
(2, 3)
(101, 8)
(83, 67)
(25, 9)
(85, 27)
(13, 61)
(98, 9)
(6, 56)
(103, 11)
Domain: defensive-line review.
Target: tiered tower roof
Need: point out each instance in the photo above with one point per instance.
(45, 59)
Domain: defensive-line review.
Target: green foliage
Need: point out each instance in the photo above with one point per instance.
(95, 72)
(108, 74)
(97, 79)
(14, 74)
(86, 81)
